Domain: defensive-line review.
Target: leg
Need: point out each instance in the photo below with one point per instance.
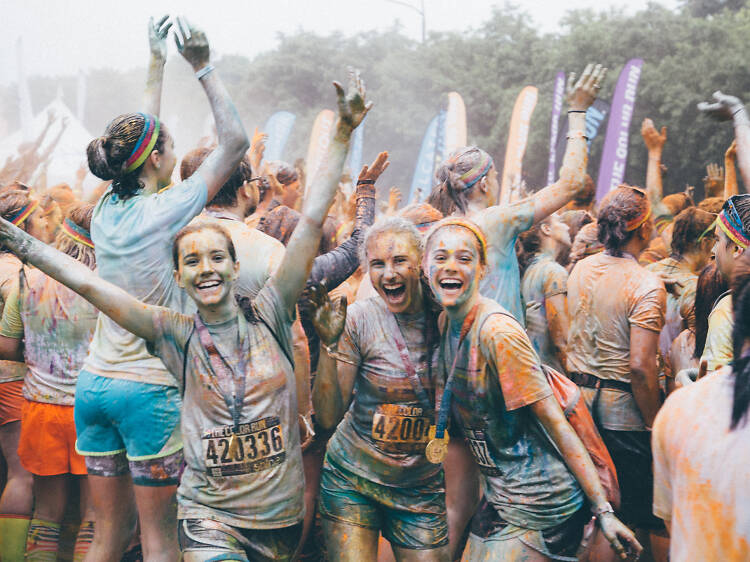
(349, 543)
(441, 554)
(204, 541)
(85, 536)
(312, 462)
(51, 493)
(461, 492)
(17, 497)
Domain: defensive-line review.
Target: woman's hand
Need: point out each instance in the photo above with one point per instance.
(192, 44)
(157, 37)
(328, 318)
(372, 172)
(617, 533)
(394, 200)
(582, 93)
(653, 140)
(257, 148)
(352, 106)
(723, 108)
(731, 154)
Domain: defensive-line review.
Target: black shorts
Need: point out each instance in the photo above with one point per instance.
(631, 453)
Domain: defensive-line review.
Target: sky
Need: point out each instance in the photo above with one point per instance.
(64, 37)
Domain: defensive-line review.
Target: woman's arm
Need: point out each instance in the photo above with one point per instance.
(295, 268)
(654, 142)
(581, 95)
(558, 322)
(643, 377)
(578, 460)
(233, 143)
(730, 171)
(126, 310)
(724, 108)
(157, 41)
(332, 389)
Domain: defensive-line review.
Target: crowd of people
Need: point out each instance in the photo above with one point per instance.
(255, 364)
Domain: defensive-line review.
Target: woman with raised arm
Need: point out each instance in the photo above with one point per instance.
(49, 327)
(241, 494)
(375, 373)
(127, 405)
(537, 472)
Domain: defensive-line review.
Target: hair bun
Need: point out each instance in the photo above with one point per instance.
(97, 153)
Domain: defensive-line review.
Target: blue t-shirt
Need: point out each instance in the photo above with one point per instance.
(133, 240)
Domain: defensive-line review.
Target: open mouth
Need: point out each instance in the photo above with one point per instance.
(451, 286)
(208, 286)
(395, 292)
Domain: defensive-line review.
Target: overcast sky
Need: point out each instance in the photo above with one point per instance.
(63, 36)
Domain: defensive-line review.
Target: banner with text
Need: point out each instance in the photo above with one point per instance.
(320, 138)
(429, 153)
(455, 124)
(517, 138)
(557, 102)
(615, 152)
(278, 128)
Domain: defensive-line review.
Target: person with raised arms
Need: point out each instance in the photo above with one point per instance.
(539, 479)
(127, 405)
(241, 492)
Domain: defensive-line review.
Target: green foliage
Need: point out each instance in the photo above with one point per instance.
(686, 57)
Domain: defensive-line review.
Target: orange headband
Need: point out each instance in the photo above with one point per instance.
(639, 220)
(467, 224)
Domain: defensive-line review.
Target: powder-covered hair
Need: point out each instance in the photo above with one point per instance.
(81, 216)
(198, 227)
(710, 286)
(11, 202)
(620, 206)
(688, 227)
(108, 154)
(390, 225)
(450, 194)
(740, 336)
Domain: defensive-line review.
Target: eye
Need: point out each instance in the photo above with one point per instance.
(190, 261)
(375, 264)
(218, 258)
(399, 259)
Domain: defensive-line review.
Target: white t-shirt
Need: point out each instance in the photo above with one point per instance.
(133, 240)
(702, 471)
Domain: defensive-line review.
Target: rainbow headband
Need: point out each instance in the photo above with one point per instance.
(638, 221)
(662, 222)
(77, 233)
(24, 213)
(475, 230)
(731, 224)
(477, 172)
(145, 143)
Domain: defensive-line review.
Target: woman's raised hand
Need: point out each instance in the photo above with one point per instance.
(581, 93)
(192, 44)
(374, 170)
(723, 108)
(653, 139)
(328, 318)
(157, 37)
(352, 105)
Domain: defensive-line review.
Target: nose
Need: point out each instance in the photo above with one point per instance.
(204, 265)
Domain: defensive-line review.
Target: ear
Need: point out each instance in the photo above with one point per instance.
(236, 270)
(546, 230)
(155, 159)
(177, 279)
(482, 184)
(737, 251)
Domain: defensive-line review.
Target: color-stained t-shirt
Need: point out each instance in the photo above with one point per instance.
(701, 472)
(718, 350)
(10, 265)
(133, 240)
(56, 325)
(688, 281)
(497, 375)
(544, 278)
(501, 225)
(259, 254)
(608, 295)
(384, 433)
(262, 486)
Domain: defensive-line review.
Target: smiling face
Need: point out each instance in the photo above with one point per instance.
(454, 266)
(206, 270)
(393, 261)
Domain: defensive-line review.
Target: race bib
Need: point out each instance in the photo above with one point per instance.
(260, 447)
(481, 452)
(393, 424)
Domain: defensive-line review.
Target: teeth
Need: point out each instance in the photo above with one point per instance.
(208, 285)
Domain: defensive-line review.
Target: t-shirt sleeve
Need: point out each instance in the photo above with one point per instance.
(349, 346)
(662, 485)
(501, 224)
(555, 280)
(718, 350)
(176, 207)
(12, 324)
(507, 347)
(649, 309)
(269, 307)
(172, 332)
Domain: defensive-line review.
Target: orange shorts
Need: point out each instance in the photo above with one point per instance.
(10, 401)
(48, 440)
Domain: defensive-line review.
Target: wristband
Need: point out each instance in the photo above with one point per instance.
(737, 111)
(606, 508)
(203, 71)
(576, 111)
(365, 182)
(577, 135)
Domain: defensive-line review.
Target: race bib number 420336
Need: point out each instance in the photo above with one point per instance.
(260, 446)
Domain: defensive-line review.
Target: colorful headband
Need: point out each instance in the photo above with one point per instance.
(424, 226)
(24, 213)
(639, 220)
(662, 222)
(475, 230)
(478, 171)
(709, 230)
(145, 143)
(77, 233)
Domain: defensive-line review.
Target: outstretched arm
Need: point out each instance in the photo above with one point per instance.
(654, 141)
(157, 42)
(120, 306)
(233, 143)
(581, 95)
(727, 107)
(295, 267)
(730, 171)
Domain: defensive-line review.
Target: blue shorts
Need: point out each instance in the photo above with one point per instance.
(114, 416)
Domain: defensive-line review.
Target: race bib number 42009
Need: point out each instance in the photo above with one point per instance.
(400, 426)
(260, 446)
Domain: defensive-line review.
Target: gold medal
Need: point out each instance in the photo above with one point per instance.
(437, 448)
(234, 446)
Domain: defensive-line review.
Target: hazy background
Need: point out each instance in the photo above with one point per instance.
(282, 56)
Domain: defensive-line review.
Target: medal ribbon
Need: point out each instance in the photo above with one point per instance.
(411, 371)
(223, 371)
(443, 399)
